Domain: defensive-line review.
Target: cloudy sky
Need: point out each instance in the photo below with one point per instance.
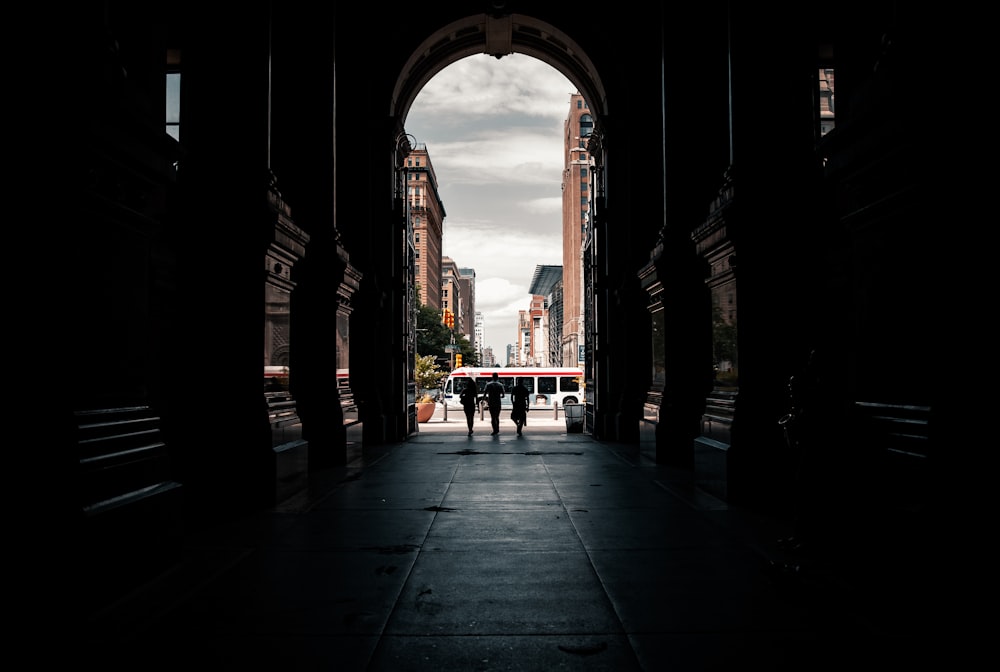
(493, 131)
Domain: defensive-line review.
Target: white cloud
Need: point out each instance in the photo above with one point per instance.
(481, 86)
(493, 131)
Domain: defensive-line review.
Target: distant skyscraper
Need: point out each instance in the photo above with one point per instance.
(480, 338)
(467, 314)
(576, 187)
(512, 353)
(488, 359)
(427, 217)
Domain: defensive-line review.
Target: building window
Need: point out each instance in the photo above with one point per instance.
(583, 186)
(586, 125)
(579, 103)
(174, 105)
(826, 107)
(583, 171)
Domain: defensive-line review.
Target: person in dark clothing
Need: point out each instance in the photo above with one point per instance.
(494, 392)
(470, 400)
(519, 403)
(827, 495)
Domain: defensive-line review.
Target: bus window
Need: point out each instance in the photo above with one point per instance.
(569, 384)
(543, 385)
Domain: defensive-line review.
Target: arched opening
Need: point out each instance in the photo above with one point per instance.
(502, 37)
(498, 37)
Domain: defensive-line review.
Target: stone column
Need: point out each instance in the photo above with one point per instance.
(286, 246)
(349, 431)
(714, 244)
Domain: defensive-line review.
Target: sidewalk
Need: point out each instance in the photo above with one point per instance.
(545, 551)
(454, 420)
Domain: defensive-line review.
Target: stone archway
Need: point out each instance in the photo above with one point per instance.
(499, 36)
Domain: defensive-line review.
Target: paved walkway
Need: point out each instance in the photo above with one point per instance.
(548, 551)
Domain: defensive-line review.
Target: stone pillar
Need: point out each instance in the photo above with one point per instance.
(286, 246)
(716, 247)
(679, 349)
(349, 431)
(650, 420)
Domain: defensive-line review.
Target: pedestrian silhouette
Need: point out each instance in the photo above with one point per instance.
(828, 516)
(519, 403)
(470, 399)
(493, 394)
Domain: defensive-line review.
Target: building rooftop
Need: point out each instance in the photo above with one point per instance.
(544, 279)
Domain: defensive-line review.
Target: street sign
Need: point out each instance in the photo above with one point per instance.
(452, 348)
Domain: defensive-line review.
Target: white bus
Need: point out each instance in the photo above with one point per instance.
(546, 385)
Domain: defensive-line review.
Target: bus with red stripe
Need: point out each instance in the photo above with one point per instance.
(547, 385)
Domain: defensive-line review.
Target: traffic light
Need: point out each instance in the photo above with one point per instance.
(458, 360)
(449, 318)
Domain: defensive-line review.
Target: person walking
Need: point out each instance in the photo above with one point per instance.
(493, 393)
(470, 400)
(519, 405)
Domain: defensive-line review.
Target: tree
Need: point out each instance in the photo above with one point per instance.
(469, 355)
(433, 336)
(427, 374)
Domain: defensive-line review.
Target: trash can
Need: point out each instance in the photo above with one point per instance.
(574, 417)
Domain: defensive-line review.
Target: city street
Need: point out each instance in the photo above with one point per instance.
(545, 420)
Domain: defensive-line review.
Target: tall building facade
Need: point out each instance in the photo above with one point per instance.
(546, 284)
(576, 193)
(555, 323)
(480, 330)
(488, 358)
(511, 353)
(451, 290)
(427, 217)
(827, 117)
(467, 314)
(539, 352)
(522, 352)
